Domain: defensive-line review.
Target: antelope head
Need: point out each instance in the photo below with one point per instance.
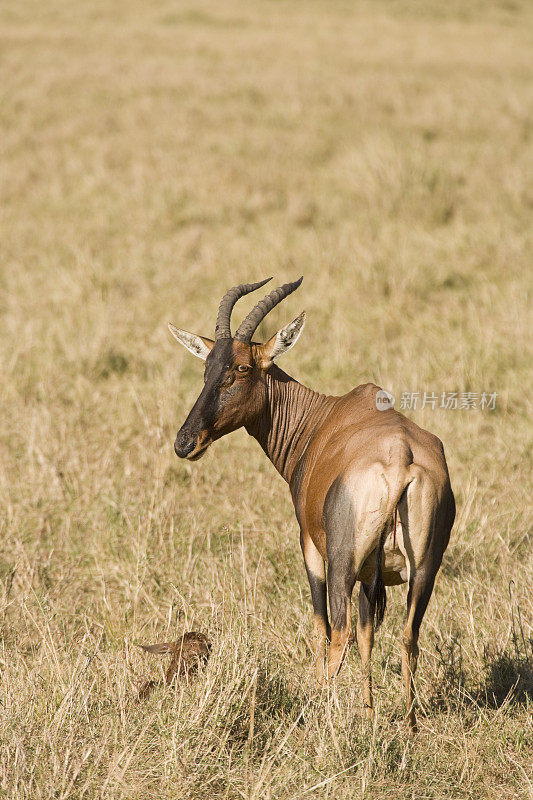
(234, 392)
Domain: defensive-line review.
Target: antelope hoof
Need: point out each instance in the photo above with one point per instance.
(333, 671)
(320, 678)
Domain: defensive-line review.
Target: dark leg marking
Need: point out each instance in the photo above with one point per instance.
(341, 580)
(365, 642)
(316, 574)
(420, 589)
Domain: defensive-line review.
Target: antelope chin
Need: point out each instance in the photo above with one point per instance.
(198, 452)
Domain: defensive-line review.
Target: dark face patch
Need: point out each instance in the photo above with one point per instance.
(217, 366)
(204, 412)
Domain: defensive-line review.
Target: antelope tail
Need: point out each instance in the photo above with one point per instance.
(377, 596)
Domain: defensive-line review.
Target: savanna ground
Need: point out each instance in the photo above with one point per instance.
(154, 154)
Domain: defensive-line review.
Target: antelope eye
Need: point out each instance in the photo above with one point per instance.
(242, 368)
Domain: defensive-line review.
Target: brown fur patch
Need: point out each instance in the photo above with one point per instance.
(187, 652)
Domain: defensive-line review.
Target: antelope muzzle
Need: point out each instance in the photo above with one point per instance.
(190, 445)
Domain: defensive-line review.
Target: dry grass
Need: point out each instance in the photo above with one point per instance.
(152, 155)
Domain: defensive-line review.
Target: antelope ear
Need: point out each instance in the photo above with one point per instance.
(196, 345)
(282, 341)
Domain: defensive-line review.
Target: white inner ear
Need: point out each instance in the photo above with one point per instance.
(191, 341)
(287, 336)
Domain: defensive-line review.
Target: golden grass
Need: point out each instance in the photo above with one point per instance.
(153, 155)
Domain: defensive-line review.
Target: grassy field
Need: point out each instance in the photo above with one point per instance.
(152, 155)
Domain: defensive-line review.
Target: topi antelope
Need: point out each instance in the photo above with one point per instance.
(352, 471)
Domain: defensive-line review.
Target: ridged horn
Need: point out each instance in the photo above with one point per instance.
(223, 328)
(248, 326)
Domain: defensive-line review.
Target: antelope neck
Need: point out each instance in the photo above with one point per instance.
(293, 413)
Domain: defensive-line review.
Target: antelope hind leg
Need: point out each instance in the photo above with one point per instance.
(316, 574)
(341, 581)
(365, 643)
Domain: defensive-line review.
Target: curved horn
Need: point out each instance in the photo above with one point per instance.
(222, 328)
(247, 328)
